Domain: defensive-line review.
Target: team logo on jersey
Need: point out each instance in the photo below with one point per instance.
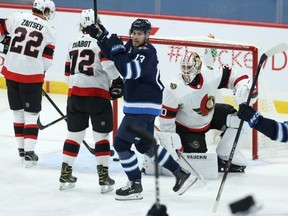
(173, 86)
(207, 104)
(195, 145)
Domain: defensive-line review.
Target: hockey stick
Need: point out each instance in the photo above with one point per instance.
(42, 127)
(191, 167)
(273, 51)
(145, 135)
(95, 10)
(91, 150)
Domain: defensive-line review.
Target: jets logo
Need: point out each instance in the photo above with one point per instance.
(207, 104)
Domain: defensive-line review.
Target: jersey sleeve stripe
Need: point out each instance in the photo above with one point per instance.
(240, 79)
(48, 52)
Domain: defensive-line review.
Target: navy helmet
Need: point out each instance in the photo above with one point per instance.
(142, 25)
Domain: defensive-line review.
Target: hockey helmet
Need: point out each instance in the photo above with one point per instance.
(142, 25)
(190, 66)
(43, 6)
(87, 18)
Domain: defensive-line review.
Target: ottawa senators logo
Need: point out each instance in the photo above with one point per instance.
(207, 104)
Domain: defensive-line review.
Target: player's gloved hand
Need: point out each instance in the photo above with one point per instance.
(159, 210)
(116, 89)
(247, 113)
(6, 43)
(98, 32)
(115, 45)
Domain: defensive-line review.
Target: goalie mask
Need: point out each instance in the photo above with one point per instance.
(190, 66)
(47, 7)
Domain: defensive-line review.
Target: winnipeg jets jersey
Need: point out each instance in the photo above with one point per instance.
(192, 106)
(31, 48)
(143, 88)
(88, 70)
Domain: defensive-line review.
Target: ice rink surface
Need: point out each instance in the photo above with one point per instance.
(34, 191)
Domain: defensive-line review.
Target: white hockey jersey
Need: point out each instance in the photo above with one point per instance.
(31, 48)
(88, 71)
(191, 106)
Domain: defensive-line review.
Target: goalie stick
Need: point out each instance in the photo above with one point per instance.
(91, 150)
(273, 51)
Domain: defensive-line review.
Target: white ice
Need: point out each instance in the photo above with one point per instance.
(34, 191)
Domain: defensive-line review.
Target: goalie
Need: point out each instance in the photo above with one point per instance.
(190, 111)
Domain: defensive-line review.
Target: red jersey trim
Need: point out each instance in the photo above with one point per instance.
(36, 78)
(96, 92)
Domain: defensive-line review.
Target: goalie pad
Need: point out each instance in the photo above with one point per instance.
(232, 121)
(225, 145)
(204, 163)
(170, 141)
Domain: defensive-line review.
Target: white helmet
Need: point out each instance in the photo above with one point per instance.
(87, 18)
(190, 66)
(42, 5)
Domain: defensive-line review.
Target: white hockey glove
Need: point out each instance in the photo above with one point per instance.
(170, 141)
(242, 94)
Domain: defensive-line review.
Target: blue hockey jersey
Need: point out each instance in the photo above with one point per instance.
(142, 86)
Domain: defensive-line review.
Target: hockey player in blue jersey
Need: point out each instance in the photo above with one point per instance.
(277, 131)
(137, 62)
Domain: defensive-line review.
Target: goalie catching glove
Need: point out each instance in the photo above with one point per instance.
(116, 89)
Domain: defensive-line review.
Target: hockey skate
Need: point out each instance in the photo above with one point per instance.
(21, 154)
(67, 181)
(233, 167)
(184, 180)
(30, 159)
(105, 181)
(132, 191)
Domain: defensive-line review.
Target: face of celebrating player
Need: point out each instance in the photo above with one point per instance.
(139, 38)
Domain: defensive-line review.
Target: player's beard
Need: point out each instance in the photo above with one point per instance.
(138, 42)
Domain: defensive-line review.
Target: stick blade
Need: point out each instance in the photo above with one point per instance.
(276, 49)
(39, 124)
